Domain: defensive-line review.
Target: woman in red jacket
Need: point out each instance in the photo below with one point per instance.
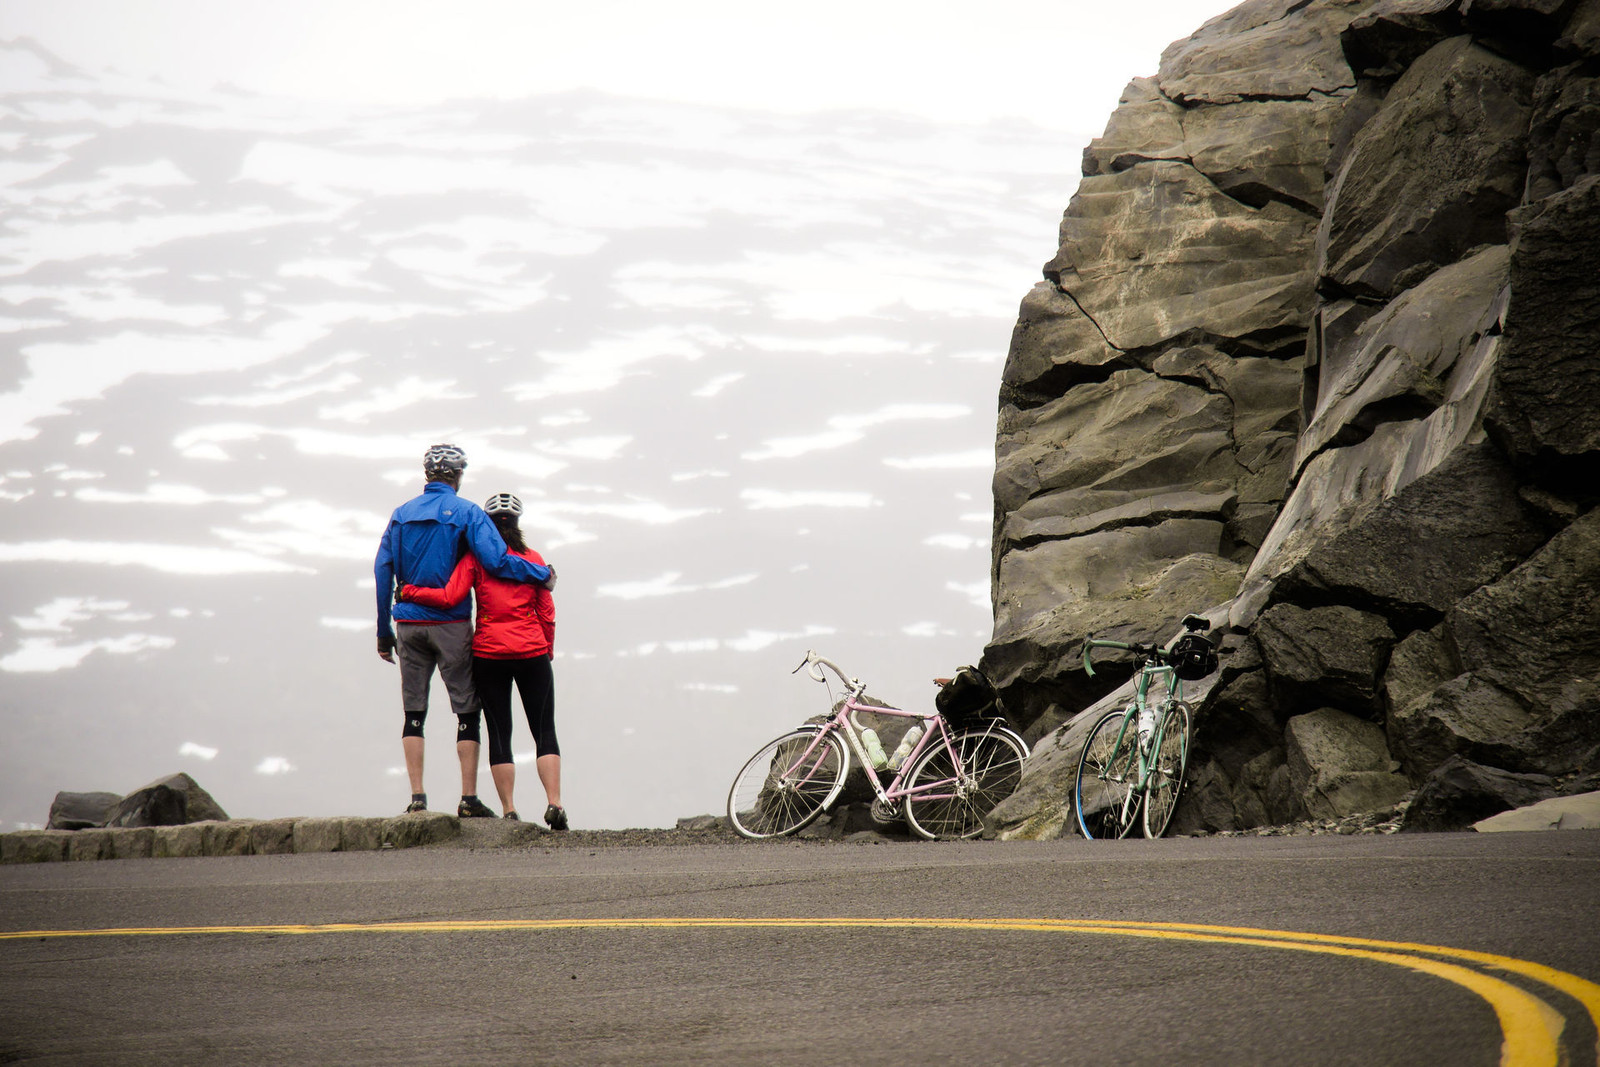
(513, 642)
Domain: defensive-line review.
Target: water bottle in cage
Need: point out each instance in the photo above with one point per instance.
(903, 750)
(874, 747)
(1147, 724)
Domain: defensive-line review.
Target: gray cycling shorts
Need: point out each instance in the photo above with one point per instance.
(448, 647)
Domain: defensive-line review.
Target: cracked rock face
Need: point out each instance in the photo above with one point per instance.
(1318, 357)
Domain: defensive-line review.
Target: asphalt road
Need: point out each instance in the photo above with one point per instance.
(897, 953)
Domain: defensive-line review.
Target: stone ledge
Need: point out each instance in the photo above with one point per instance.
(236, 837)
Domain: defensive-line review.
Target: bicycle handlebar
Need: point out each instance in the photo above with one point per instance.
(813, 664)
(1090, 643)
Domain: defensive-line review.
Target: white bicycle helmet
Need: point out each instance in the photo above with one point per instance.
(503, 504)
(444, 459)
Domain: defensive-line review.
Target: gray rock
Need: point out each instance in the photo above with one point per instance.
(1414, 555)
(80, 811)
(1533, 633)
(1155, 252)
(169, 801)
(1460, 793)
(1255, 151)
(112, 844)
(1340, 765)
(1398, 362)
(1581, 35)
(1419, 664)
(1465, 716)
(420, 828)
(1578, 812)
(1038, 663)
(1053, 346)
(1545, 404)
(317, 835)
(1324, 657)
(179, 842)
(35, 846)
(1382, 44)
(1564, 138)
(272, 837)
(1262, 48)
(1432, 175)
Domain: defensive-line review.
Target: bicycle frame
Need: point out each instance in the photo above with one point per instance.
(844, 721)
(1149, 672)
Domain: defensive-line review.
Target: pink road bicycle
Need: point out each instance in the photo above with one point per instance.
(944, 781)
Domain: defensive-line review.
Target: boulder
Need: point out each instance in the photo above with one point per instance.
(1432, 175)
(1459, 793)
(1383, 44)
(1465, 716)
(1534, 632)
(1578, 812)
(1564, 137)
(1581, 36)
(1544, 407)
(1327, 656)
(1418, 665)
(1340, 765)
(80, 811)
(1415, 554)
(169, 801)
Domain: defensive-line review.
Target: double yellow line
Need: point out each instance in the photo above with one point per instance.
(1530, 1027)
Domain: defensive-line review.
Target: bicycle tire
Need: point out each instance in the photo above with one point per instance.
(767, 800)
(1103, 795)
(991, 767)
(1167, 776)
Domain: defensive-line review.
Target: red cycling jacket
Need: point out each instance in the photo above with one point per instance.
(515, 621)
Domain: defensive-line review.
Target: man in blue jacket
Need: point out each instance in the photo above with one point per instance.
(426, 537)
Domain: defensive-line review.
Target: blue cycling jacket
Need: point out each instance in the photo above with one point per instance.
(426, 537)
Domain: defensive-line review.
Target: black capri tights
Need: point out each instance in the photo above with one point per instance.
(536, 683)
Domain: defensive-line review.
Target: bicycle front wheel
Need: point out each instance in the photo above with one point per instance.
(947, 800)
(1103, 793)
(1166, 777)
(787, 784)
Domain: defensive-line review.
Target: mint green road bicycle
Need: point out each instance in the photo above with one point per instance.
(1135, 758)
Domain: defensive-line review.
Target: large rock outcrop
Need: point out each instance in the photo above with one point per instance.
(1317, 356)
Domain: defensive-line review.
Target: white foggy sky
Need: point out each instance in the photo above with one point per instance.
(1057, 63)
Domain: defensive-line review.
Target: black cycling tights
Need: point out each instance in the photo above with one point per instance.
(535, 682)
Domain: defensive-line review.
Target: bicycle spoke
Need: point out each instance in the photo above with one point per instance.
(1104, 793)
(787, 784)
(954, 786)
(1166, 779)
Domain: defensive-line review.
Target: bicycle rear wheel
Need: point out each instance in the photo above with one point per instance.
(1103, 792)
(787, 784)
(945, 803)
(1166, 778)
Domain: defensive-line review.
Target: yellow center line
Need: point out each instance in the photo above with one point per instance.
(1530, 1027)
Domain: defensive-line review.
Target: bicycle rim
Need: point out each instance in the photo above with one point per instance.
(784, 787)
(945, 803)
(1166, 778)
(1103, 793)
